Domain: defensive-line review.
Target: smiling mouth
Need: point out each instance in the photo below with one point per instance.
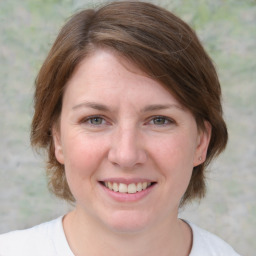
(131, 188)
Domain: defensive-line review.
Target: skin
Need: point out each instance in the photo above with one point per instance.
(118, 124)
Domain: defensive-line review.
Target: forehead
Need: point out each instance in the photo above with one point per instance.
(105, 74)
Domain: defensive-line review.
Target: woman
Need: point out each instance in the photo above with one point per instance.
(128, 107)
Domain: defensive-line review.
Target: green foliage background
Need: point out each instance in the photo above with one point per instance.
(227, 29)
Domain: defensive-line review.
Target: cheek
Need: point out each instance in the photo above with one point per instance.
(82, 161)
(174, 159)
(178, 150)
(82, 156)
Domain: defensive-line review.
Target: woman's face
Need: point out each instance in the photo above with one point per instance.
(128, 146)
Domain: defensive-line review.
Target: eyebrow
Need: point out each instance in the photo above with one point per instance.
(161, 107)
(93, 105)
(102, 107)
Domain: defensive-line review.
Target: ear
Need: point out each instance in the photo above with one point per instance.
(204, 137)
(58, 145)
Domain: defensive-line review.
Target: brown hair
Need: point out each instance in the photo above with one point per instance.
(155, 40)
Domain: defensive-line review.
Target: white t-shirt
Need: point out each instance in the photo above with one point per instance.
(48, 239)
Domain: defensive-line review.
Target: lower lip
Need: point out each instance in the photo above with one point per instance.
(125, 197)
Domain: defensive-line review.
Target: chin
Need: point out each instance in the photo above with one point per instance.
(128, 222)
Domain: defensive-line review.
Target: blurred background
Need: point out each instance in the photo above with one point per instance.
(227, 29)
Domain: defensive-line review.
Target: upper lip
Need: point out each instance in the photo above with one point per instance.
(127, 181)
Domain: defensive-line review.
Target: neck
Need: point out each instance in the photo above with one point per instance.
(87, 237)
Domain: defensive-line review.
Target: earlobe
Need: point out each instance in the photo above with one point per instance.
(58, 146)
(203, 143)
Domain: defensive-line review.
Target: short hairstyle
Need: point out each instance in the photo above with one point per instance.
(161, 45)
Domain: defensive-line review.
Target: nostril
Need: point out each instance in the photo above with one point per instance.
(127, 157)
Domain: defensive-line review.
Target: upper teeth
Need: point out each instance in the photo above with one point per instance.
(124, 188)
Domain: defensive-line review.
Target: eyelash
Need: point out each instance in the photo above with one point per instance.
(167, 121)
(88, 120)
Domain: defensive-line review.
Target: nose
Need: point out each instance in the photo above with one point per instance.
(127, 148)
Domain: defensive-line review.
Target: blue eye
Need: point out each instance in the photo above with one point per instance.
(160, 120)
(95, 120)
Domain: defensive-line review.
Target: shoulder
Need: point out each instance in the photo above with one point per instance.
(208, 244)
(38, 240)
